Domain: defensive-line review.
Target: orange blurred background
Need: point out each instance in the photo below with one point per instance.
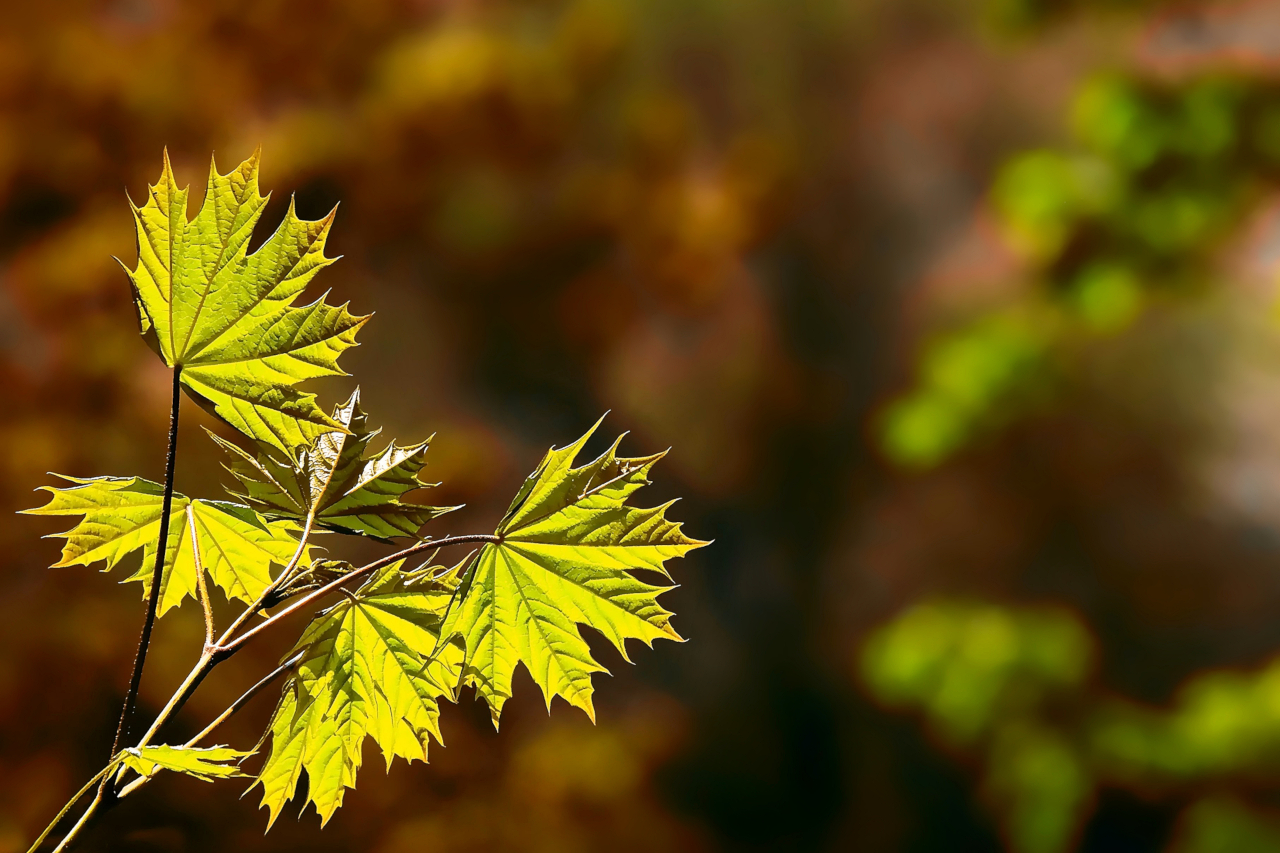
(774, 236)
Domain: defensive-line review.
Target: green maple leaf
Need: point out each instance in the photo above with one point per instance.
(567, 548)
(205, 763)
(365, 671)
(336, 484)
(121, 516)
(226, 318)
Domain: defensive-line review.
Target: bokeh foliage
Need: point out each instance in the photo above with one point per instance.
(1139, 220)
(1016, 688)
(1130, 215)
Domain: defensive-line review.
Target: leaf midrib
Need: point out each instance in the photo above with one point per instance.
(217, 267)
(262, 296)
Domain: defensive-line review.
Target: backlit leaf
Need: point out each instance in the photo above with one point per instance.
(347, 492)
(205, 763)
(226, 317)
(121, 516)
(568, 547)
(365, 671)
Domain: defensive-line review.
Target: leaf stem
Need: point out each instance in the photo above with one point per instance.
(307, 527)
(215, 653)
(225, 647)
(157, 573)
(202, 586)
(188, 686)
(245, 698)
(133, 786)
(235, 706)
(235, 644)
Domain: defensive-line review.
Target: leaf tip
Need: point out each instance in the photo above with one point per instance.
(692, 544)
(495, 714)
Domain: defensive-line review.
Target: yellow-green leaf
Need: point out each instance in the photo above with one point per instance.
(205, 763)
(227, 318)
(566, 551)
(346, 492)
(121, 516)
(365, 671)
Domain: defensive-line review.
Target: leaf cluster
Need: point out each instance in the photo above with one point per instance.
(392, 641)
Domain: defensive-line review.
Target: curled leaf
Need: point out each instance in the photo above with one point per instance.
(334, 481)
(204, 763)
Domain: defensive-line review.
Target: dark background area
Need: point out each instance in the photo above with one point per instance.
(959, 319)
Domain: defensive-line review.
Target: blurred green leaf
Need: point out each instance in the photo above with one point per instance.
(1108, 296)
(1041, 786)
(1111, 116)
(1221, 824)
(1222, 722)
(1208, 124)
(966, 664)
(968, 379)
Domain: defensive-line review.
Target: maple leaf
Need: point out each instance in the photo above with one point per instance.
(365, 671)
(121, 515)
(566, 551)
(226, 318)
(204, 763)
(332, 480)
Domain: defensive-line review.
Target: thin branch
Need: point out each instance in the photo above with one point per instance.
(157, 573)
(249, 612)
(235, 706)
(234, 645)
(89, 814)
(219, 652)
(188, 686)
(67, 808)
(225, 647)
(248, 695)
(213, 652)
(211, 655)
(202, 585)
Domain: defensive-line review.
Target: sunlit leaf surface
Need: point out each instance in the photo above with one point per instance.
(366, 671)
(121, 516)
(226, 317)
(569, 545)
(332, 479)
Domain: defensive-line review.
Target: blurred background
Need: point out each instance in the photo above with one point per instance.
(960, 316)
